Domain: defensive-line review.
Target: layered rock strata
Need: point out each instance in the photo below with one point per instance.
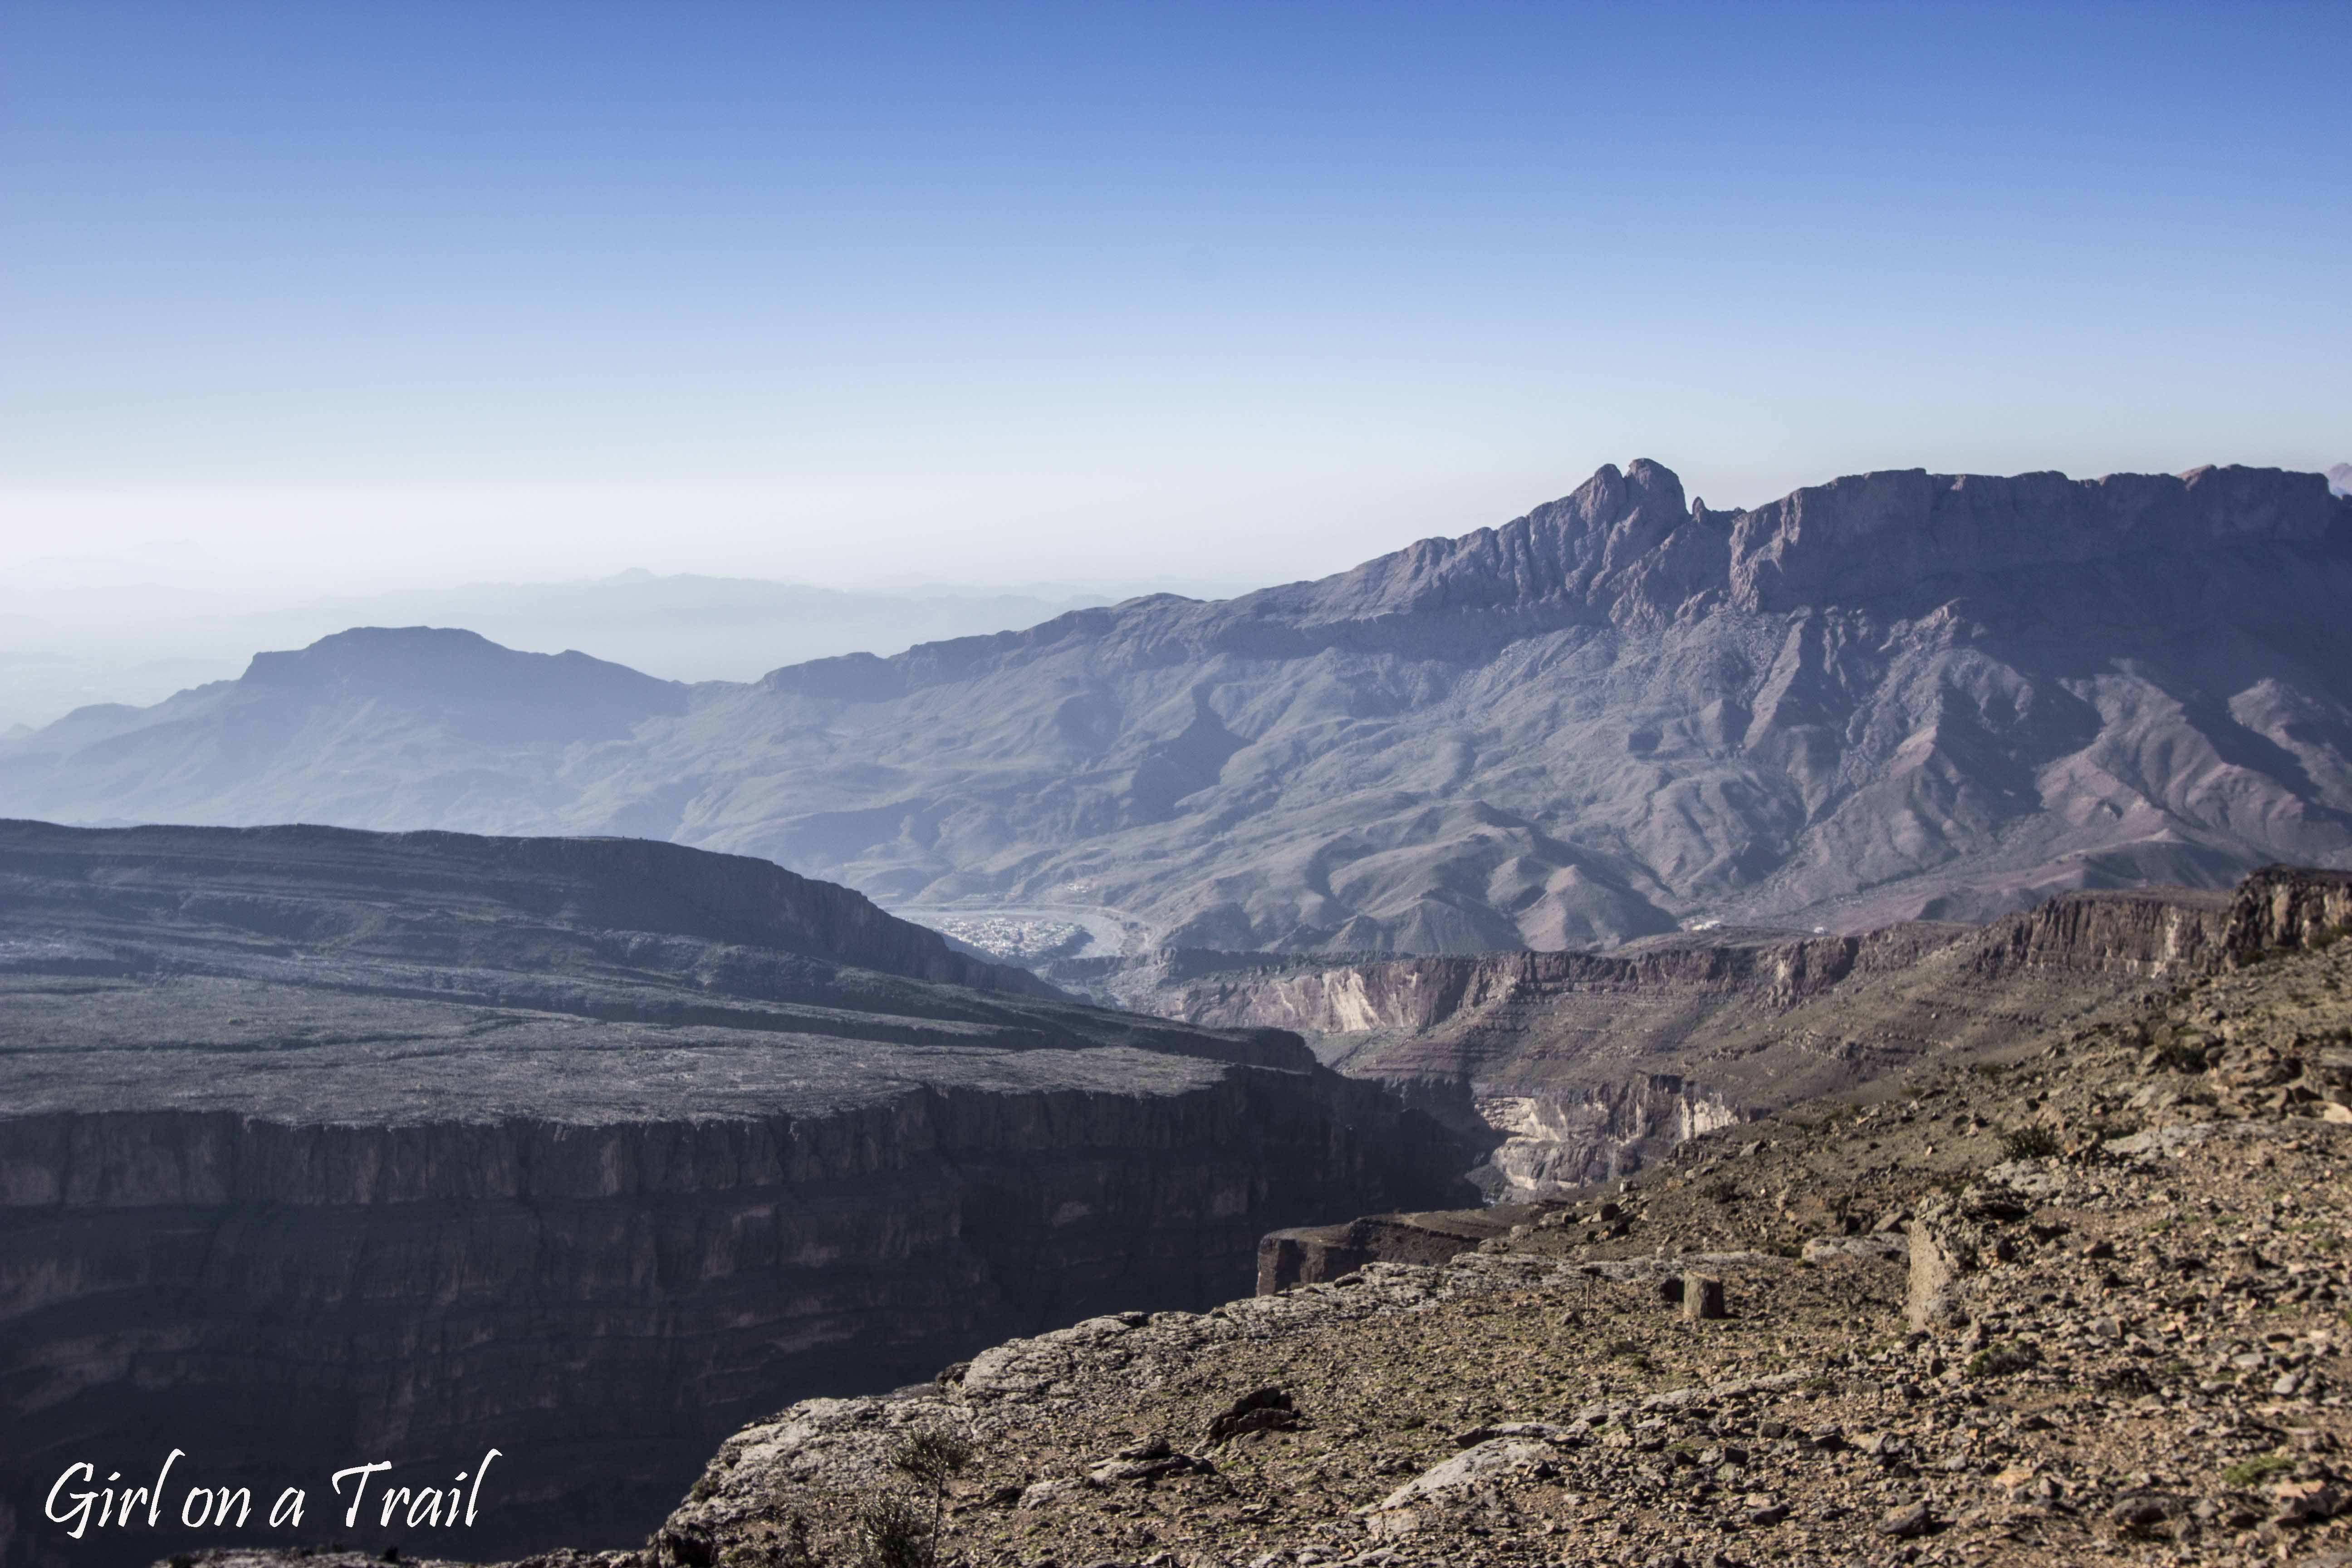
(2078, 1299)
(321, 1147)
(1573, 1067)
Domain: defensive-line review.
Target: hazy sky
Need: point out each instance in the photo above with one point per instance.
(334, 295)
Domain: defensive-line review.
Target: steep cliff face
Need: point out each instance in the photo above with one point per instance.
(1571, 1067)
(2288, 906)
(2155, 933)
(601, 1303)
(1874, 1336)
(321, 1148)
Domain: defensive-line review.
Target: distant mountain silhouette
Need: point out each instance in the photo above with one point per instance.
(1897, 694)
(2339, 479)
(63, 645)
(414, 725)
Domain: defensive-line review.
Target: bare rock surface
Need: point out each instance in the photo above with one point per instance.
(1572, 1068)
(316, 1142)
(1899, 695)
(2148, 1363)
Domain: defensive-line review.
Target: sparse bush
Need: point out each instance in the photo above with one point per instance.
(2253, 1472)
(2002, 1360)
(930, 1459)
(2034, 1142)
(894, 1532)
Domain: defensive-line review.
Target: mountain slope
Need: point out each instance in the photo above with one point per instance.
(1897, 695)
(2074, 1301)
(315, 1141)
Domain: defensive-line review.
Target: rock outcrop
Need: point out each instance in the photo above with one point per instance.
(320, 1147)
(1895, 696)
(1574, 1068)
(1869, 1332)
(2289, 907)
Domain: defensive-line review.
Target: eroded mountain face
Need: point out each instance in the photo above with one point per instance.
(2080, 1299)
(321, 1146)
(1897, 695)
(1574, 1068)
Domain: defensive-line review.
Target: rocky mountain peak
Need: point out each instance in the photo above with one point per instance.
(1617, 712)
(1568, 551)
(1625, 548)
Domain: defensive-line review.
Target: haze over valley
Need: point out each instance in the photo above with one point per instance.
(73, 639)
(1894, 696)
(1174, 785)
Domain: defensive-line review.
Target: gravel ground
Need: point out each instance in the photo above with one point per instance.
(2084, 1302)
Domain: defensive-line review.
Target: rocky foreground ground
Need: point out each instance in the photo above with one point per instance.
(2085, 1302)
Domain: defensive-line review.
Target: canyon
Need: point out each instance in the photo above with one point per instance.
(1570, 1069)
(1896, 696)
(2076, 1297)
(322, 1146)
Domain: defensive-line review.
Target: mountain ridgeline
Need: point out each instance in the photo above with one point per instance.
(1899, 695)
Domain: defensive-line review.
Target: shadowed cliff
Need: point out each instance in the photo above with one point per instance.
(319, 1147)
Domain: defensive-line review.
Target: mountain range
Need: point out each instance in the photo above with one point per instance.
(72, 635)
(1897, 695)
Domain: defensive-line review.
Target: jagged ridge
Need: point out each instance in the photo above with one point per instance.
(1900, 695)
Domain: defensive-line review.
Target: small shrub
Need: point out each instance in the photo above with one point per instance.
(2029, 1143)
(894, 1532)
(930, 1458)
(2003, 1359)
(2253, 1472)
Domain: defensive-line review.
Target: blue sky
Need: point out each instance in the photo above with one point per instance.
(1123, 293)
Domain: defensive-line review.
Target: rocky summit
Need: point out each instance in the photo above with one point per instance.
(316, 1142)
(1896, 695)
(2082, 1299)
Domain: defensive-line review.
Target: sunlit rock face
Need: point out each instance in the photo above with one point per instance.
(1573, 1067)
